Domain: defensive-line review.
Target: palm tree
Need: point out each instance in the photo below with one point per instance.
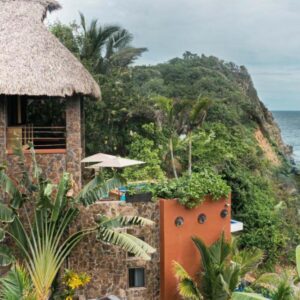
(219, 276)
(106, 46)
(166, 116)
(196, 118)
(42, 237)
(16, 285)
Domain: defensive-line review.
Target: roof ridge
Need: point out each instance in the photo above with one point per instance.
(49, 5)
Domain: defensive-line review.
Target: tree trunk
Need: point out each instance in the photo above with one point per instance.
(172, 158)
(190, 154)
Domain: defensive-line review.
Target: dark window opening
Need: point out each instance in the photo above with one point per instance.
(136, 277)
(36, 120)
(16, 110)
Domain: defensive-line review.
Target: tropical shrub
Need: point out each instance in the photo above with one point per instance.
(74, 281)
(220, 275)
(16, 284)
(281, 286)
(192, 190)
(149, 151)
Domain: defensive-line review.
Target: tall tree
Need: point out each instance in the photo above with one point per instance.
(166, 116)
(196, 118)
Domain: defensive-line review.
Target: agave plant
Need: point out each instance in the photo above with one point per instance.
(220, 276)
(38, 214)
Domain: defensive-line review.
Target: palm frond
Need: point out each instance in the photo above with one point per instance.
(123, 240)
(16, 285)
(204, 252)
(47, 249)
(284, 292)
(61, 200)
(187, 288)
(146, 247)
(220, 250)
(126, 56)
(97, 189)
(248, 259)
(123, 221)
(247, 296)
(199, 110)
(9, 187)
(6, 214)
(269, 280)
(6, 257)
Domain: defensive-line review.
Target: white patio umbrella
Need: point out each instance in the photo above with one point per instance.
(109, 161)
(116, 162)
(96, 158)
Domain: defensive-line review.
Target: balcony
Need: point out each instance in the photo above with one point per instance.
(44, 139)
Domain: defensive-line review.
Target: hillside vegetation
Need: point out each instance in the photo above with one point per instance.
(236, 136)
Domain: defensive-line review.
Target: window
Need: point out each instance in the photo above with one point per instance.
(136, 277)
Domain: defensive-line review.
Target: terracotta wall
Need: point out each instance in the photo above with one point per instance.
(176, 243)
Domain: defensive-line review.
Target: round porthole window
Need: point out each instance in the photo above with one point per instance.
(179, 221)
(202, 218)
(224, 213)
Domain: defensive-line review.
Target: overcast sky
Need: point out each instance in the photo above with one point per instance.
(263, 35)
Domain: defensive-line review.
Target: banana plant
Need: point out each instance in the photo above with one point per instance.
(37, 215)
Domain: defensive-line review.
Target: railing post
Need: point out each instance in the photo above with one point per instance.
(73, 142)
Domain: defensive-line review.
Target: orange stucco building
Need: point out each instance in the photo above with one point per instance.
(177, 226)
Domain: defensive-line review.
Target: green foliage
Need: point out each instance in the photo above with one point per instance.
(16, 285)
(191, 191)
(187, 287)
(247, 296)
(225, 143)
(248, 259)
(108, 232)
(42, 237)
(147, 150)
(220, 275)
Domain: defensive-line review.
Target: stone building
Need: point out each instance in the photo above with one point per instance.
(42, 86)
(115, 272)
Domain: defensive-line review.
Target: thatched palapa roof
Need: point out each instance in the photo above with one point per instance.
(32, 61)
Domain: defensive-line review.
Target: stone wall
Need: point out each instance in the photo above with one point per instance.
(74, 147)
(108, 265)
(52, 165)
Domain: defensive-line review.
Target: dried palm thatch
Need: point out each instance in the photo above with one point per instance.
(32, 61)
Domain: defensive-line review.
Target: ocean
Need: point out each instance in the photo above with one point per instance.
(289, 123)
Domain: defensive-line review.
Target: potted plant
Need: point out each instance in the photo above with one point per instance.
(139, 193)
(191, 191)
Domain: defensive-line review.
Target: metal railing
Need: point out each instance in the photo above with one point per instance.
(53, 137)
